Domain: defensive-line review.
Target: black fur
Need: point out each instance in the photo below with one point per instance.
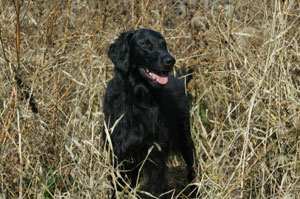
(154, 109)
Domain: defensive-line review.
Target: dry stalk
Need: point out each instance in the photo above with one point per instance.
(245, 114)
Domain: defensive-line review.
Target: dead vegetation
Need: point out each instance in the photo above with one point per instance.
(246, 89)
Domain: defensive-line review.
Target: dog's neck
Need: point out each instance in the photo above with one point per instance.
(137, 89)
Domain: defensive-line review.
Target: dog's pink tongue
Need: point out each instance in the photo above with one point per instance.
(160, 79)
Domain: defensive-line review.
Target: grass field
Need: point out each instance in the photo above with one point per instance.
(246, 90)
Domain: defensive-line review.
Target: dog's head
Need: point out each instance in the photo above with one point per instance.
(143, 51)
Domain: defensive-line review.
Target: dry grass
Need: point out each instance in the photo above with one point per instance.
(246, 112)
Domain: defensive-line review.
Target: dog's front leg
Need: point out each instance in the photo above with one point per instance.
(155, 169)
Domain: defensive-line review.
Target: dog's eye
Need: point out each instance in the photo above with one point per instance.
(146, 44)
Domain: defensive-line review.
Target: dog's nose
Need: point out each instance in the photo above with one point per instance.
(169, 60)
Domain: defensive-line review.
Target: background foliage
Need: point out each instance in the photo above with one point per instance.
(246, 89)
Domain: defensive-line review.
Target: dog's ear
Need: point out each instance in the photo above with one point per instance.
(119, 51)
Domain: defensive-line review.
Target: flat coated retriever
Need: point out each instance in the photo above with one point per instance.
(147, 108)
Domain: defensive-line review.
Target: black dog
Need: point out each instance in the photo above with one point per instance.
(150, 108)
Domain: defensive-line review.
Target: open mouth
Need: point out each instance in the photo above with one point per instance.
(161, 78)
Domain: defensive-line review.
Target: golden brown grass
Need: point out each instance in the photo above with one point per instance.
(246, 89)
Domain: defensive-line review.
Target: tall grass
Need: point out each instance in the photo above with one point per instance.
(246, 89)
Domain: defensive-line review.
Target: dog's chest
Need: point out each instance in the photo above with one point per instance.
(150, 122)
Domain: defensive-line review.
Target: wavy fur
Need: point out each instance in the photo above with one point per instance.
(152, 114)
